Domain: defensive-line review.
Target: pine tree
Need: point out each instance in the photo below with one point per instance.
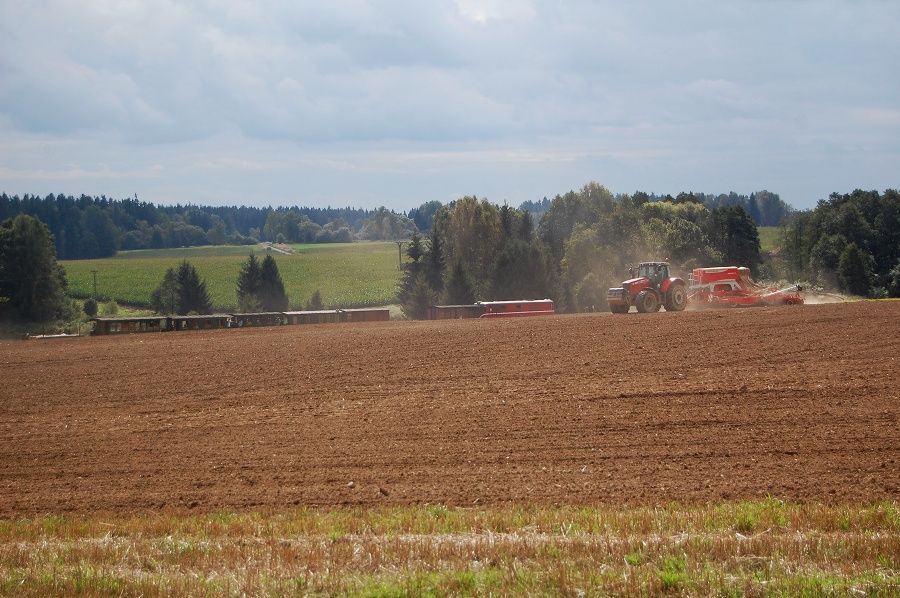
(164, 298)
(315, 302)
(506, 221)
(248, 286)
(272, 296)
(434, 262)
(526, 228)
(420, 299)
(415, 249)
(192, 294)
(412, 269)
(459, 290)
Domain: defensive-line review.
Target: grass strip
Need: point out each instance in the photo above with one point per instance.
(766, 547)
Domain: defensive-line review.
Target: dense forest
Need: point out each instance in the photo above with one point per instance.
(850, 242)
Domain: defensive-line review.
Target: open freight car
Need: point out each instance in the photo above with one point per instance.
(517, 309)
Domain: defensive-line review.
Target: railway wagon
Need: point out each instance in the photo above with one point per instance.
(369, 314)
(267, 318)
(517, 309)
(200, 322)
(323, 316)
(104, 326)
(455, 312)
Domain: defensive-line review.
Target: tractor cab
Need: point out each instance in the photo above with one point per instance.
(655, 272)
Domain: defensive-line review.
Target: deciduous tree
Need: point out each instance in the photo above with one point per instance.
(855, 270)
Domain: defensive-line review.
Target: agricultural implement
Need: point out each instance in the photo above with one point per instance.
(651, 287)
(732, 287)
(493, 309)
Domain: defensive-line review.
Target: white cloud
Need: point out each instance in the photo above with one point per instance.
(482, 11)
(510, 98)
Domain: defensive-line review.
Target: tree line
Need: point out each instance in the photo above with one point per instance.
(92, 227)
(764, 207)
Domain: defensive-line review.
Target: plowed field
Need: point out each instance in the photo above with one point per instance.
(800, 403)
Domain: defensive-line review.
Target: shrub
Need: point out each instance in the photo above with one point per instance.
(90, 307)
(315, 302)
(110, 308)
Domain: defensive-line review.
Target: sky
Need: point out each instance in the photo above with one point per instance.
(374, 102)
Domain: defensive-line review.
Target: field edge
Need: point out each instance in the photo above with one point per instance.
(732, 548)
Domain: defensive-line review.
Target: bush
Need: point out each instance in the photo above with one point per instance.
(315, 302)
(110, 308)
(90, 307)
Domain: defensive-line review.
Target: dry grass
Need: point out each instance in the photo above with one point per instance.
(758, 548)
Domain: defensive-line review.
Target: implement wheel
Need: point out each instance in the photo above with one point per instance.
(647, 302)
(676, 298)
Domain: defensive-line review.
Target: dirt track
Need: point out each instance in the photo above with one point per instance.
(800, 403)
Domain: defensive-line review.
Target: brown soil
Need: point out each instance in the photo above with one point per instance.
(799, 403)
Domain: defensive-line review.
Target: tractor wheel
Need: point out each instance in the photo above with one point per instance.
(647, 302)
(618, 309)
(676, 298)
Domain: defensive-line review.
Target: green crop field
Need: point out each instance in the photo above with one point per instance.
(347, 274)
(770, 237)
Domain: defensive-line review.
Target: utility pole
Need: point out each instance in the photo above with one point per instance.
(94, 272)
(400, 254)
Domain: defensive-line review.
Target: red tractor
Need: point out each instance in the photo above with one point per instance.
(649, 288)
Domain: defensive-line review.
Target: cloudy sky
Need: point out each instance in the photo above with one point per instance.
(377, 102)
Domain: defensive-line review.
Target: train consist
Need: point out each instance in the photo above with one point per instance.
(104, 326)
(482, 309)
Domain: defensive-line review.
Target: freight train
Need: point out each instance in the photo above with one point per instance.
(103, 326)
